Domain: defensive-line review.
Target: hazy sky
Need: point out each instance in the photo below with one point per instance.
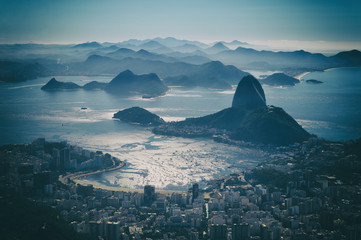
(64, 21)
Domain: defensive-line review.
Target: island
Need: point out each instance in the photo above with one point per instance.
(125, 83)
(54, 85)
(280, 80)
(128, 83)
(95, 85)
(137, 115)
(313, 81)
(248, 120)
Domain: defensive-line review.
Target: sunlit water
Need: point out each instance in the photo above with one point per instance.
(330, 110)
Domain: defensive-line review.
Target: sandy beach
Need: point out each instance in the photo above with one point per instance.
(75, 177)
(301, 75)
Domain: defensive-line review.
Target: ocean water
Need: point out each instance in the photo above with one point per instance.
(330, 110)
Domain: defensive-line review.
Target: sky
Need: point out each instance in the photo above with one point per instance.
(261, 21)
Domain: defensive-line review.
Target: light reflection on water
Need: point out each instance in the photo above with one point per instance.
(174, 163)
(26, 113)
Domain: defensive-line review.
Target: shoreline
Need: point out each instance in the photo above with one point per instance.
(75, 178)
(299, 76)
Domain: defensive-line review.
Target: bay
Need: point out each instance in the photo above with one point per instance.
(330, 110)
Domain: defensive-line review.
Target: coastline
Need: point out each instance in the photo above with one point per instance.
(75, 178)
(299, 76)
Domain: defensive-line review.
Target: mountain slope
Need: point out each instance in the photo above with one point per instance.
(249, 94)
(210, 75)
(348, 58)
(17, 71)
(251, 122)
(127, 82)
(279, 79)
(137, 115)
(54, 85)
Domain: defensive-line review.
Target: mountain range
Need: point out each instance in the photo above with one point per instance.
(124, 84)
(174, 59)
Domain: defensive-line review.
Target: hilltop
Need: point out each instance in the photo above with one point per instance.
(54, 85)
(128, 83)
(249, 119)
(280, 79)
(125, 83)
(137, 115)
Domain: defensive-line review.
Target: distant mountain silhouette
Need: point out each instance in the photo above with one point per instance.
(162, 50)
(169, 41)
(249, 94)
(197, 57)
(246, 57)
(142, 54)
(127, 83)
(122, 52)
(18, 71)
(88, 45)
(160, 56)
(216, 48)
(348, 58)
(151, 45)
(96, 65)
(173, 42)
(94, 85)
(210, 75)
(54, 85)
(187, 48)
(279, 79)
(235, 43)
(111, 48)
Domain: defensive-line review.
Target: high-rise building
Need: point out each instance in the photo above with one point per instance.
(195, 191)
(240, 231)
(112, 230)
(218, 232)
(55, 162)
(149, 195)
(326, 220)
(96, 229)
(64, 158)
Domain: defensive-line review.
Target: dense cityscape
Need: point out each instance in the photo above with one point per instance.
(304, 191)
(180, 120)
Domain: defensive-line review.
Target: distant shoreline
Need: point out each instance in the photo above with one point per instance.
(299, 76)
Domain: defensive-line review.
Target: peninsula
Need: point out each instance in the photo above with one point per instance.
(249, 120)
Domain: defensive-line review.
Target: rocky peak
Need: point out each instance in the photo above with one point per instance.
(249, 94)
